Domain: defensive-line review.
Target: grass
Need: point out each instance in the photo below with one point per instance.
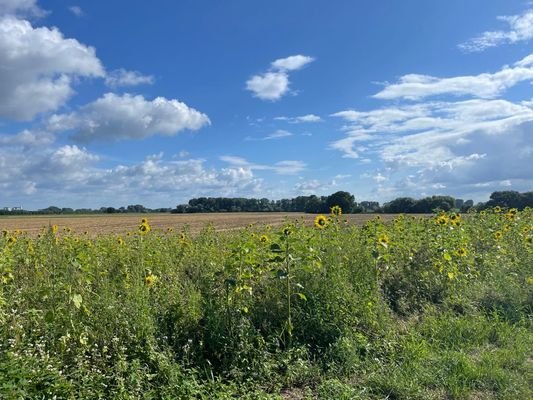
(415, 308)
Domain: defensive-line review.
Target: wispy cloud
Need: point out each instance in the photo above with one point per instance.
(456, 145)
(520, 30)
(485, 85)
(308, 118)
(122, 77)
(286, 167)
(279, 134)
(274, 84)
(76, 10)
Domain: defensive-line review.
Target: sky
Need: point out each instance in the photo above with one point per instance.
(111, 103)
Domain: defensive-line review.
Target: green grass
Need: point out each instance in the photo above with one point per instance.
(423, 308)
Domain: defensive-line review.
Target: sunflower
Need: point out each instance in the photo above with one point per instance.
(461, 252)
(497, 209)
(144, 228)
(336, 210)
(287, 231)
(498, 235)
(384, 240)
(509, 216)
(150, 280)
(441, 220)
(263, 239)
(120, 241)
(321, 222)
(525, 229)
(12, 240)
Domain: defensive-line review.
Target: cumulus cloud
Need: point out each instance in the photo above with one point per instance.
(274, 84)
(114, 117)
(21, 8)
(33, 171)
(486, 85)
(269, 86)
(38, 68)
(122, 77)
(291, 63)
(463, 146)
(287, 167)
(520, 29)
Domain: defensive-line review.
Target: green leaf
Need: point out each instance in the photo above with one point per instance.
(77, 300)
(275, 248)
(447, 257)
(302, 296)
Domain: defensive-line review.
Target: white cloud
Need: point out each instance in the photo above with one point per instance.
(21, 8)
(279, 134)
(291, 63)
(34, 174)
(308, 118)
(486, 85)
(287, 167)
(520, 30)
(274, 84)
(269, 86)
(122, 77)
(459, 146)
(76, 10)
(38, 67)
(114, 117)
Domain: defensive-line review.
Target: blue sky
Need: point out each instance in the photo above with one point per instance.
(128, 102)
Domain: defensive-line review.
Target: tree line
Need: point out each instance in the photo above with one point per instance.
(308, 204)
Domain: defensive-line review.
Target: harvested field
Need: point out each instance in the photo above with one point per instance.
(120, 223)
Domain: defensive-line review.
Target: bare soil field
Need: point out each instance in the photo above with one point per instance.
(121, 223)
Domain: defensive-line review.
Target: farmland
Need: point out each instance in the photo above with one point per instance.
(258, 306)
(121, 223)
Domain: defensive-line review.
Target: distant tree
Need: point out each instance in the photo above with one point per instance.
(508, 198)
(400, 205)
(343, 199)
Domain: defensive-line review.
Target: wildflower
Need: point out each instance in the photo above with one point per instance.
(384, 240)
(461, 252)
(321, 222)
(144, 228)
(336, 210)
(150, 280)
(455, 219)
(441, 220)
(263, 239)
(498, 235)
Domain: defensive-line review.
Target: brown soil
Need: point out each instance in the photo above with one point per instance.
(120, 223)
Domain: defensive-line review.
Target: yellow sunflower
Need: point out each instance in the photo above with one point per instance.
(336, 210)
(441, 220)
(498, 235)
(150, 280)
(384, 240)
(321, 222)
